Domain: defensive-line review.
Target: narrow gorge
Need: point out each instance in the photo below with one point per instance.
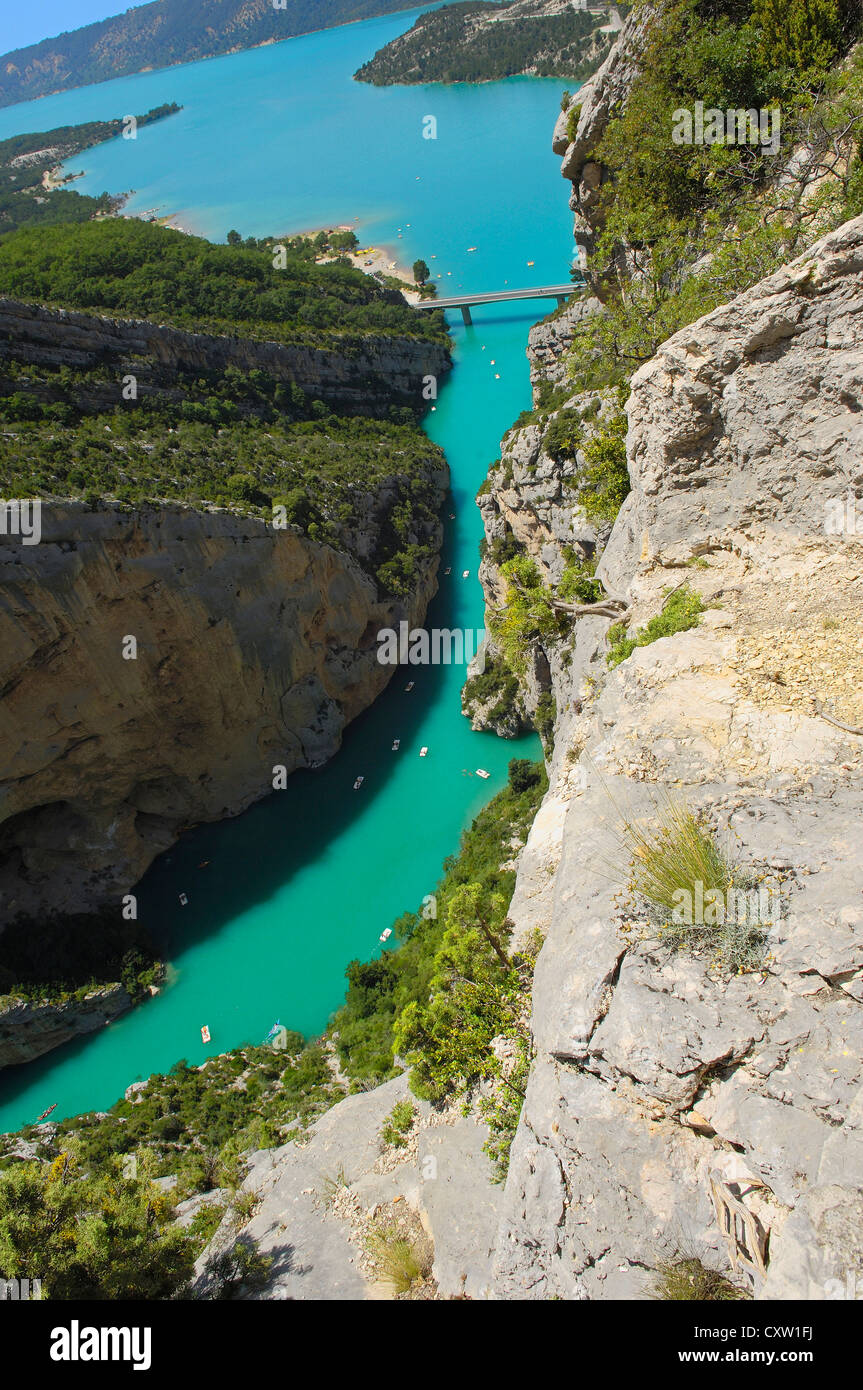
(672, 1080)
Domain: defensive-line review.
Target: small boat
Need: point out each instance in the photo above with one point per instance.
(205, 1034)
(465, 574)
(448, 569)
(452, 516)
(396, 742)
(49, 1111)
(358, 783)
(481, 772)
(531, 262)
(385, 935)
(409, 687)
(184, 900)
(203, 864)
(423, 752)
(471, 248)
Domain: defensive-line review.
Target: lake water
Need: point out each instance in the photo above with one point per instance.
(279, 140)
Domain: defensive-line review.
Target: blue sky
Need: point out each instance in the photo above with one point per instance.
(28, 23)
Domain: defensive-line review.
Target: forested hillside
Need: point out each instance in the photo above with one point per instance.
(235, 435)
(479, 42)
(166, 32)
(128, 267)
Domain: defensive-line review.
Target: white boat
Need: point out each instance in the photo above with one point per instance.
(481, 772)
(409, 686)
(465, 574)
(423, 752)
(448, 569)
(358, 783)
(385, 935)
(396, 742)
(205, 1034)
(184, 899)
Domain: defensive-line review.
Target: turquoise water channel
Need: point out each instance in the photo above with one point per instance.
(280, 140)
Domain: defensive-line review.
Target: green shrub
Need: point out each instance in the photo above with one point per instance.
(604, 482)
(680, 612)
(398, 1123)
(564, 434)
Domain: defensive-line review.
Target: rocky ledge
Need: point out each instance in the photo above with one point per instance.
(29, 1029)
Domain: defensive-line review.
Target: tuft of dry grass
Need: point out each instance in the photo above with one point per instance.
(686, 1279)
(676, 856)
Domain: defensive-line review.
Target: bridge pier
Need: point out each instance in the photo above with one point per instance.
(561, 300)
(465, 313)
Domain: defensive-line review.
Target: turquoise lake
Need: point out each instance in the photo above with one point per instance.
(280, 140)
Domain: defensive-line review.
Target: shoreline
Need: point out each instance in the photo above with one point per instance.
(371, 260)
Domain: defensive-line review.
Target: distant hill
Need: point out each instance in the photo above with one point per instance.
(167, 32)
(483, 40)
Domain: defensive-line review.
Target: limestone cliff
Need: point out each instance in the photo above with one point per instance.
(655, 1072)
(255, 647)
(28, 1030)
(361, 374)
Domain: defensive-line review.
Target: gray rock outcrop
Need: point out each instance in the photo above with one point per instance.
(29, 1029)
(658, 1073)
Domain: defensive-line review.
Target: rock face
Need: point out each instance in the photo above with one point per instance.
(319, 1201)
(360, 374)
(28, 1030)
(657, 1072)
(594, 103)
(255, 648)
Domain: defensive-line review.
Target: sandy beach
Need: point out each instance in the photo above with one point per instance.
(372, 260)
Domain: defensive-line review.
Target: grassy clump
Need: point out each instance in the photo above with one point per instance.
(398, 1123)
(674, 858)
(693, 894)
(401, 1261)
(680, 612)
(687, 1279)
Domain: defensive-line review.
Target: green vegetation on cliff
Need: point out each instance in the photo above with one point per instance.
(136, 269)
(102, 1235)
(166, 32)
(224, 436)
(481, 42)
(699, 222)
(74, 955)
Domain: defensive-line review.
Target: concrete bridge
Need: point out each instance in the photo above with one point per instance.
(466, 302)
